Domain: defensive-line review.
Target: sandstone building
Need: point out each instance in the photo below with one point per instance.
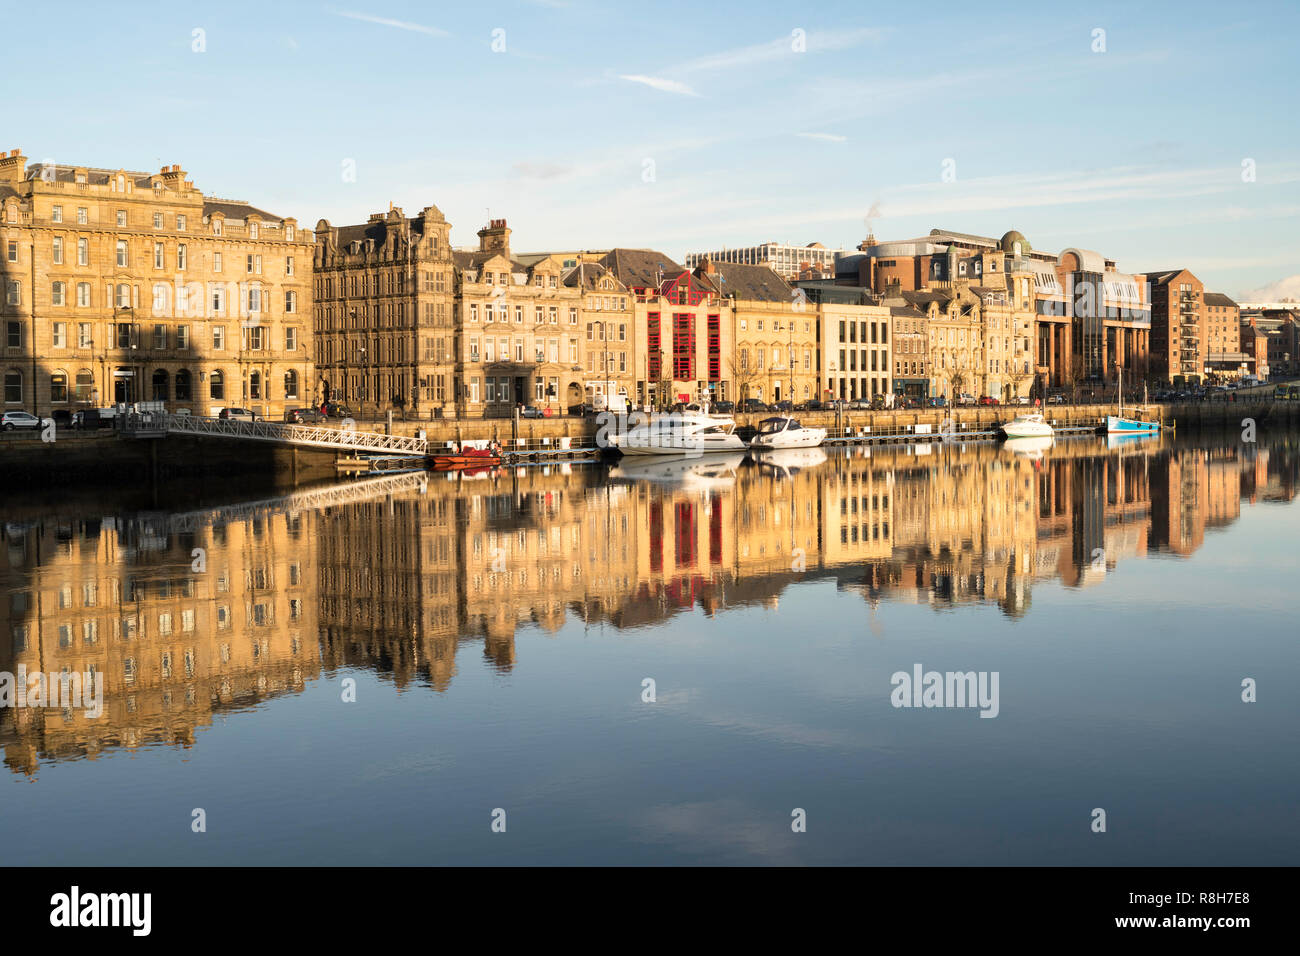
(123, 286)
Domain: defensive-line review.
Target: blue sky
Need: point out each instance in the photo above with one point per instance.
(688, 126)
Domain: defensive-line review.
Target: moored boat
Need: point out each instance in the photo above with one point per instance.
(1032, 425)
(1119, 425)
(782, 432)
(687, 432)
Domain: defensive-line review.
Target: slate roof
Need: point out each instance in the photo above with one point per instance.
(585, 275)
(750, 283)
(234, 209)
(1218, 298)
(640, 267)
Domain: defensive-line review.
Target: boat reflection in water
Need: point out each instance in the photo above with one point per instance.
(401, 575)
(1031, 448)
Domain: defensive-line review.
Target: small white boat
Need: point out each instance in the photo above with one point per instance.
(786, 433)
(1027, 426)
(688, 432)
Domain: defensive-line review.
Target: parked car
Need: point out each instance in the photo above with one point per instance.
(834, 405)
(1055, 399)
(303, 416)
(754, 405)
(1022, 400)
(724, 408)
(13, 420)
(911, 403)
(965, 399)
(532, 411)
(337, 410)
(782, 406)
(937, 401)
(989, 400)
(237, 415)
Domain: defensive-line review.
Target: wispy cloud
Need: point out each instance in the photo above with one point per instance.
(825, 137)
(659, 83)
(397, 24)
(778, 49)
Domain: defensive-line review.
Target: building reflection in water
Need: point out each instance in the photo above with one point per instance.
(184, 615)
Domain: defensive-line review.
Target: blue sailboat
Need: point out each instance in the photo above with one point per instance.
(1119, 425)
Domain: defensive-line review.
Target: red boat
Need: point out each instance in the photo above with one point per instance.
(468, 458)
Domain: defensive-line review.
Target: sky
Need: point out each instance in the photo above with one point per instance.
(1162, 136)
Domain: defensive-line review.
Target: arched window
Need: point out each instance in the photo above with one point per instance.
(123, 296)
(160, 390)
(85, 385)
(13, 387)
(217, 385)
(183, 385)
(59, 386)
(291, 384)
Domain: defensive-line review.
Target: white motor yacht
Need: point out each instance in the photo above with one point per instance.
(1027, 426)
(687, 432)
(786, 433)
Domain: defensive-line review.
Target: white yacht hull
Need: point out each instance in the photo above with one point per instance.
(1021, 429)
(798, 438)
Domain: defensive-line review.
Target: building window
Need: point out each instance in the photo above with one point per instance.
(84, 338)
(180, 255)
(252, 230)
(217, 385)
(121, 254)
(291, 384)
(291, 302)
(14, 293)
(59, 335)
(183, 385)
(180, 223)
(82, 214)
(218, 338)
(83, 251)
(288, 263)
(121, 218)
(57, 248)
(58, 293)
(13, 387)
(56, 214)
(291, 340)
(123, 300)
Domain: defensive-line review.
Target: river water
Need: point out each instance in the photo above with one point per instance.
(670, 662)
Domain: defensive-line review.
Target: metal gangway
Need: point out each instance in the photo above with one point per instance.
(305, 436)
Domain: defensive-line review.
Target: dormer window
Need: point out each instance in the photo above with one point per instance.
(252, 230)
(216, 227)
(288, 233)
(81, 179)
(121, 184)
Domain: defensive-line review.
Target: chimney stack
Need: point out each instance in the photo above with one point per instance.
(495, 237)
(12, 165)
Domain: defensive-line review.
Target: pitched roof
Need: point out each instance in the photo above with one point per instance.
(640, 267)
(750, 283)
(1218, 298)
(585, 275)
(1163, 275)
(235, 209)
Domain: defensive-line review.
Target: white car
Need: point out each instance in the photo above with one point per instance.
(12, 420)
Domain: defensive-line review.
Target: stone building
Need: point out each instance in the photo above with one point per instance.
(385, 323)
(683, 329)
(123, 286)
(521, 338)
(775, 354)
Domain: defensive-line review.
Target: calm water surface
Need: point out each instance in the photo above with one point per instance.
(498, 629)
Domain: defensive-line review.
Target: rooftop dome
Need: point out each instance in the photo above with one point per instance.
(1012, 237)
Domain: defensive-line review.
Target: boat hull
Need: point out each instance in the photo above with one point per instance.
(799, 438)
(678, 447)
(1129, 426)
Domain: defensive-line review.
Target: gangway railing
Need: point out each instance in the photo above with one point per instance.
(310, 436)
